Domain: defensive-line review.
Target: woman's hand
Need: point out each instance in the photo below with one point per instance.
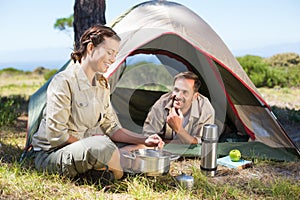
(154, 141)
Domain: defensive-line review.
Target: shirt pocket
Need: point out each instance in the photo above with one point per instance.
(81, 103)
(82, 111)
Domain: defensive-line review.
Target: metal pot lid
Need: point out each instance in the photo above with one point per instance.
(184, 178)
(185, 181)
(151, 153)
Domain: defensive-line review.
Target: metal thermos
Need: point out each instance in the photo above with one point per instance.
(208, 163)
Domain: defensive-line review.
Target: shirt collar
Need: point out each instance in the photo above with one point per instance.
(169, 105)
(83, 81)
(195, 108)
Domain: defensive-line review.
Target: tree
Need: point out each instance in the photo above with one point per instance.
(64, 23)
(86, 14)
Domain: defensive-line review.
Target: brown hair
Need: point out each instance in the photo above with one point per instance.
(94, 34)
(192, 76)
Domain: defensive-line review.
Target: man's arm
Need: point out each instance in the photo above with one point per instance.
(155, 120)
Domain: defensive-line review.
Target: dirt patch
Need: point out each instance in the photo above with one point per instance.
(265, 171)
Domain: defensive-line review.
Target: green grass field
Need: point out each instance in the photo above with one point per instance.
(265, 180)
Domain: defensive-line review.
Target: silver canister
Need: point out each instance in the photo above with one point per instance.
(208, 163)
(185, 181)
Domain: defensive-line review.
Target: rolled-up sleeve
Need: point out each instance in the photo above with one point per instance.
(207, 117)
(155, 120)
(110, 122)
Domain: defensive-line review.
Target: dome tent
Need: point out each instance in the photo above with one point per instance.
(160, 39)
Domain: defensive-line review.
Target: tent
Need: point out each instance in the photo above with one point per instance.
(161, 39)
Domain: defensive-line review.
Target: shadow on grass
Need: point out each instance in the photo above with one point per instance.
(13, 127)
(10, 153)
(19, 100)
(11, 108)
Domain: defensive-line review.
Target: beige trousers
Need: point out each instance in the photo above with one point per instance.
(76, 158)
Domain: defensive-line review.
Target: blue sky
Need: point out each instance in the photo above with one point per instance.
(257, 27)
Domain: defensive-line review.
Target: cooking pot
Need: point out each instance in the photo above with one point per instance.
(151, 162)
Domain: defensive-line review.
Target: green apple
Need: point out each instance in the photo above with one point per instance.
(235, 155)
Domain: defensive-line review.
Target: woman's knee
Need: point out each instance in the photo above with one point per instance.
(96, 151)
(114, 165)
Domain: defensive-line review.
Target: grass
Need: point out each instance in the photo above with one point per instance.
(288, 98)
(20, 84)
(265, 180)
(20, 183)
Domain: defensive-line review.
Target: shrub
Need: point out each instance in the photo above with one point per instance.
(11, 71)
(9, 107)
(256, 69)
(293, 75)
(275, 77)
(40, 70)
(272, 72)
(49, 74)
(283, 60)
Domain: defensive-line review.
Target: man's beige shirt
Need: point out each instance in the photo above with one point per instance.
(74, 107)
(201, 113)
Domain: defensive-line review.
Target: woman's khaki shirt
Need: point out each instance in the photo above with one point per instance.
(74, 107)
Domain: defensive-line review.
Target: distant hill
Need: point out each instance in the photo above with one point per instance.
(270, 50)
(54, 58)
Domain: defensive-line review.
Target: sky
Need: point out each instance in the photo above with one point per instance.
(256, 27)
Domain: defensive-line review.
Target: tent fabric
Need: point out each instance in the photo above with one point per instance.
(174, 28)
(168, 26)
(177, 40)
(253, 150)
(150, 19)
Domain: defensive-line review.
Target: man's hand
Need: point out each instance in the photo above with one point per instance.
(174, 120)
(154, 141)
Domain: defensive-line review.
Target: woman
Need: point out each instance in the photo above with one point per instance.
(79, 125)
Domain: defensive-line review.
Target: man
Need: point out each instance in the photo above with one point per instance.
(179, 116)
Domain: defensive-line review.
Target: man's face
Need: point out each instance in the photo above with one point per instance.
(184, 94)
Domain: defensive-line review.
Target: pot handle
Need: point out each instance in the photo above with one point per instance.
(174, 157)
(132, 156)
